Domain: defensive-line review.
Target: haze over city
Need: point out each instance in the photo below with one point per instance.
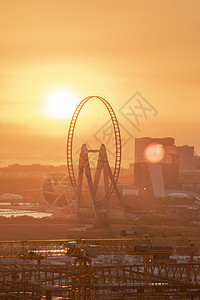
(100, 149)
(55, 50)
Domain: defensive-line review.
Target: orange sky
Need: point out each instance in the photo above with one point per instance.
(108, 48)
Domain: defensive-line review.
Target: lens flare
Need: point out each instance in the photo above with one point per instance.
(154, 153)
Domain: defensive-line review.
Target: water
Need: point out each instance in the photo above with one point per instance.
(8, 212)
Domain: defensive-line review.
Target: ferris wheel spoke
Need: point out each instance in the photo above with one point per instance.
(58, 199)
(55, 190)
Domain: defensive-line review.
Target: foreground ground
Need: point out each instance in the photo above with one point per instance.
(183, 236)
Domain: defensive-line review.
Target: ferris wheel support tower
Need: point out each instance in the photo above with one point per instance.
(102, 160)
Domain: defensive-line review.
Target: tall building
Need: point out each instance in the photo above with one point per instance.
(153, 177)
(171, 171)
(197, 162)
(185, 156)
(158, 175)
(142, 143)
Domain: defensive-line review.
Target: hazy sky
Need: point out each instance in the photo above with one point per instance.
(108, 48)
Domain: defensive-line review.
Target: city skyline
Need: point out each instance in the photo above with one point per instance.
(111, 49)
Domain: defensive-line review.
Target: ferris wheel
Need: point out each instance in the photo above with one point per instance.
(117, 138)
(60, 190)
(57, 191)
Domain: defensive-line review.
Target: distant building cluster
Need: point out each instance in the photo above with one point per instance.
(160, 165)
(161, 168)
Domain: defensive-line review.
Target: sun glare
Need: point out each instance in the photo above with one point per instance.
(60, 104)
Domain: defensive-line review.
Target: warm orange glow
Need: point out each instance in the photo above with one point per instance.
(51, 45)
(60, 104)
(154, 153)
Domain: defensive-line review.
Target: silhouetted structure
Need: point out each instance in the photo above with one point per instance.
(155, 178)
(142, 143)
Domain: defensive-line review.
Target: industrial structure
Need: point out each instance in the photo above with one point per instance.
(104, 166)
(80, 274)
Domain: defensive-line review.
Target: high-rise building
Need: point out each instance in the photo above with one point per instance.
(155, 175)
(142, 143)
(146, 178)
(197, 162)
(185, 156)
(171, 171)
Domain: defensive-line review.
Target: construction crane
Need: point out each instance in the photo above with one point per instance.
(82, 277)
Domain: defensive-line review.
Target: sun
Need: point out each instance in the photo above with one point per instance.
(60, 104)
